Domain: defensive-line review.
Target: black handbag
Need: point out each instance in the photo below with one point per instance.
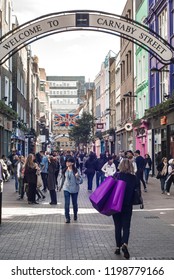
(137, 198)
(159, 175)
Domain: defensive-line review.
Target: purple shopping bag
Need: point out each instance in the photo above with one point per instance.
(102, 193)
(115, 199)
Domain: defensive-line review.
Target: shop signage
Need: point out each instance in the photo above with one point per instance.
(1, 120)
(20, 134)
(163, 120)
(7, 125)
(85, 20)
(100, 125)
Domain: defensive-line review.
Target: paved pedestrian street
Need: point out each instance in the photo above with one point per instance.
(39, 232)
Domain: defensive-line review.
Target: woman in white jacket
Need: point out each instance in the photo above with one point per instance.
(170, 178)
(109, 167)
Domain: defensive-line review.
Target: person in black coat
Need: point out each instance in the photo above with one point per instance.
(51, 180)
(122, 220)
(140, 168)
(148, 164)
(99, 173)
(90, 166)
(30, 177)
(162, 168)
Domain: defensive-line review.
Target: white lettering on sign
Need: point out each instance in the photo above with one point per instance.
(34, 30)
(96, 21)
(134, 31)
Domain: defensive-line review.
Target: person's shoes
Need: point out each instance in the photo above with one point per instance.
(67, 221)
(163, 192)
(43, 197)
(53, 203)
(75, 217)
(117, 251)
(35, 202)
(145, 190)
(125, 251)
(30, 202)
(168, 193)
(89, 191)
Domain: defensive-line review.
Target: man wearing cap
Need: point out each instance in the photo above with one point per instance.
(140, 161)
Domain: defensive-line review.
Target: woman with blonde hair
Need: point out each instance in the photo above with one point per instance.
(162, 168)
(122, 220)
(30, 177)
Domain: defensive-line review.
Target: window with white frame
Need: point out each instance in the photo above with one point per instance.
(143, 68)
(10, 93)
(6, 11)
(0, 89)
(7, 89)
(164, 83)
(18, 79)
(162, 24)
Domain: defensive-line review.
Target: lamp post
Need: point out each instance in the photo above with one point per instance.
(112, 132)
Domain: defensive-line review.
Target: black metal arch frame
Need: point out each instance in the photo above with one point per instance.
(90, 28)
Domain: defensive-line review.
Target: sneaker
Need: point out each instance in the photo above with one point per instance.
(117, 251)
(125, 251)
(168, 193)
(67, 221)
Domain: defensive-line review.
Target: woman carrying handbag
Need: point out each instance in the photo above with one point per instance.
(122, 220)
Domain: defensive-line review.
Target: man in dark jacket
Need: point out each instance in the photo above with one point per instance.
(99, 173)
(140, 161)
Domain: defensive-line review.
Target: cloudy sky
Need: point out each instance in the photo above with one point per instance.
(70, 53)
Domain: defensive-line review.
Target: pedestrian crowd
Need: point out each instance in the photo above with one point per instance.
(41, 172)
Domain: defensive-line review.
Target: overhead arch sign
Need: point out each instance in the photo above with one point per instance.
(85, 20)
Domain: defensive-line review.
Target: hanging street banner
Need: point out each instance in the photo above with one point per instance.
(65, 119)
(85, 20)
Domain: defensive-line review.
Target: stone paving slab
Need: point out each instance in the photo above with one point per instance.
(38, 232)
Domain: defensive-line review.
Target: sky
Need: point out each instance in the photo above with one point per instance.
(77, 53)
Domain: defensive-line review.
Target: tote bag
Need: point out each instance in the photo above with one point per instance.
(115, 199)
(102, 193)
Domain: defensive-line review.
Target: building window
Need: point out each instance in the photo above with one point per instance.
(162, 24)
(7, 89)
(164, 84)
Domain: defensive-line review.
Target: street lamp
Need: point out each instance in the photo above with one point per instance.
(156, 70)
(129, 94)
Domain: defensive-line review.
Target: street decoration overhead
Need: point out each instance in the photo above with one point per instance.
(65, 119)
(85, 20)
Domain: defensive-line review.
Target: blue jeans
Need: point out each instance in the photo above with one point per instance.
(90, 177)
(44, 180)
(99, 178)
(74, 197)
(146, 174)
(16, 181)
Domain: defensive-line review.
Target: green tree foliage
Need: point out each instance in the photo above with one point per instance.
(82, 133)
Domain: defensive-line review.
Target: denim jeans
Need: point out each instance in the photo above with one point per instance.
(146, 174)
(99, 178)
(44, 180)
(74, 197)
(162, 181)
(16, 181)
(90, 180)
(21, 187)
